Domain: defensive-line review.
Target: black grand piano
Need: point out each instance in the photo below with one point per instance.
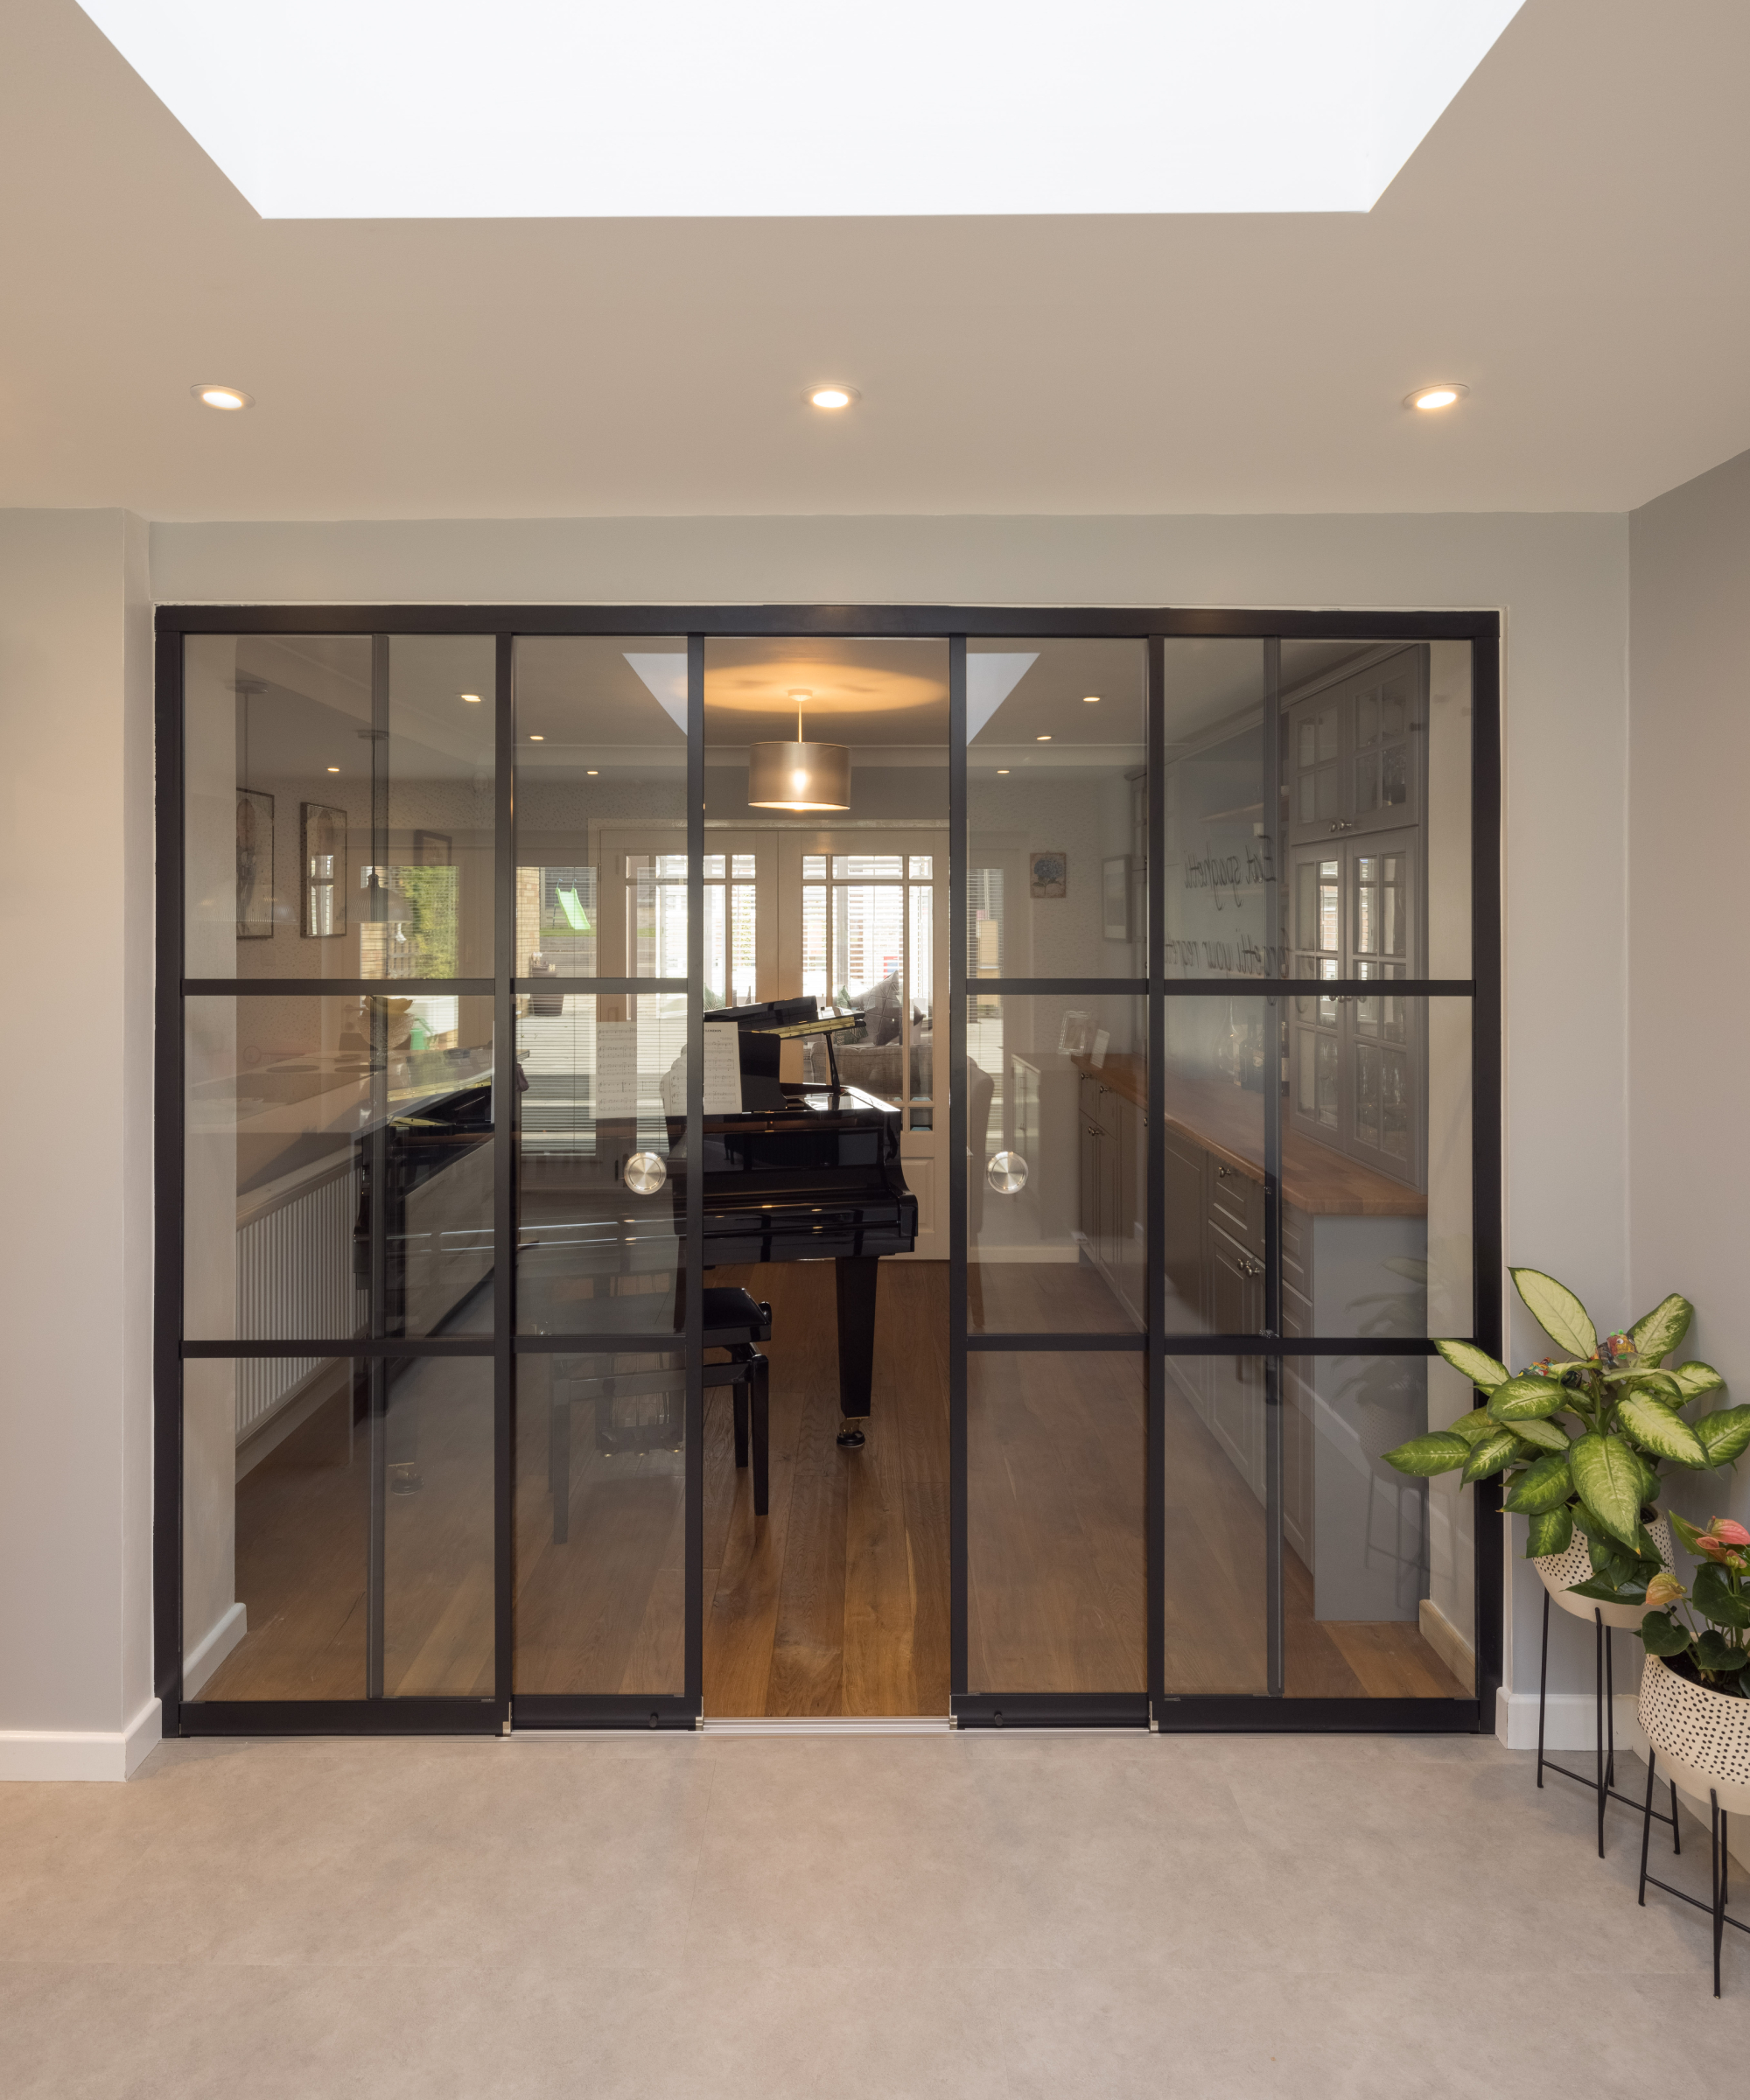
(805, 1174)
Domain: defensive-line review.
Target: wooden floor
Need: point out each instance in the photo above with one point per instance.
(837, 1602)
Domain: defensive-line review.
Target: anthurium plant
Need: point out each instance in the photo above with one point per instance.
(1715, 1653)
(1578, 1439)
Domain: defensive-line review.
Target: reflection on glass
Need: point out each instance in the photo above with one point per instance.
(601, 871)
(601, 1212)
(1216, 1574)
(1055, 1471)
(868, 945)
(282, 1598)
(1057, 1092)
(1367, 1549)
(1057, 809)
(337, 806)
(298, 1111)
(600, 1523)
(1214, 1055)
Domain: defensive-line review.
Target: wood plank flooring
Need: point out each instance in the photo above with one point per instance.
(837, 1602)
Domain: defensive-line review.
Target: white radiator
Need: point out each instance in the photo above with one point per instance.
(294, 1276)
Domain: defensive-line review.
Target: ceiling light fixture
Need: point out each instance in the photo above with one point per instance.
(1441, 396)
(592, 771)
(473, 699)
(216, 396)
(537, 739)
(333, 769)
(1041, 739)
(831, 397)
(1002, 769)
(1090, 699)
(799, 775)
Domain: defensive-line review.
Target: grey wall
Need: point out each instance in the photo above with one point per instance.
(1689, 1150)
(75, 1229)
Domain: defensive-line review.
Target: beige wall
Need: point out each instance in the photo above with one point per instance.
(75, 1229)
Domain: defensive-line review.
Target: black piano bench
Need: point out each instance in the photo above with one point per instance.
(734, 1320)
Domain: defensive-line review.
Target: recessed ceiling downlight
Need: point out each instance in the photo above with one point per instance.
(216, 396)
(1442, 395)
(831, 396)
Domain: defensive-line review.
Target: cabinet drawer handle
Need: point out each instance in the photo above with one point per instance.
(1224, 1174)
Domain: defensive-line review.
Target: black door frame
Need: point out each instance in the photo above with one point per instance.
(1153, 625)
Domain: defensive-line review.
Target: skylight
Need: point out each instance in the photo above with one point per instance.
(575, 108)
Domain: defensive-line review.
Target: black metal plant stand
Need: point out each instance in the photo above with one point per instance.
(1603, 1783)
(1719, 1867)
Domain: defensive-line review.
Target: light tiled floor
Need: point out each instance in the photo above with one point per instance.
(967, 1915)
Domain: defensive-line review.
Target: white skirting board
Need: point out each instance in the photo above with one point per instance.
(79, 1753)
(1570, 1724)
(211, 1648)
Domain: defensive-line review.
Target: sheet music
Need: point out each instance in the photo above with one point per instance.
(723, 1074)
(616, 1068)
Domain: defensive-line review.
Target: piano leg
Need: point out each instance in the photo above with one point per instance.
(857, 1279)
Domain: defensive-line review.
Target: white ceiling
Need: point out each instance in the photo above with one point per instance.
(1568, 240)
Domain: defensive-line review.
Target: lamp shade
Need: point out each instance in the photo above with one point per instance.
(798, 776)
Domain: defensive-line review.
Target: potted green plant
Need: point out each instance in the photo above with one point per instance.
(1695, 1690)
(1576, 1441)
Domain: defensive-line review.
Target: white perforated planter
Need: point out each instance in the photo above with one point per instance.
(1561, 1571)
(1702, 1737)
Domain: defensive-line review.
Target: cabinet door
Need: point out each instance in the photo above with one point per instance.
(1236, 1382)
(1183, 1252)
(1353, 751)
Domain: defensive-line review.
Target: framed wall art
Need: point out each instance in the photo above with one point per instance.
(255, 865)
(1048, 874)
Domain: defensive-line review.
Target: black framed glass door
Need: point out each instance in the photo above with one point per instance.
(1221, 1081)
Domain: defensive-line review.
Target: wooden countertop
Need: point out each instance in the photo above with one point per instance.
(1229, 1121)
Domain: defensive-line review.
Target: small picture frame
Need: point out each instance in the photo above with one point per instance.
(433, 850)
(255, 865)
(1048, 874)
(323, 848)
(1114, 897)
(1075, 1033)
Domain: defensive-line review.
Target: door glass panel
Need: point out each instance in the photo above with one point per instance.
(1057, 810)
(601, 745)
(1215, 1054)
(601, 1495)
(1377, 1568)
(1216, 1618)
(1056, 1588)
(337, 1528)
(1377, 1171)
(602, 1201)
(337, 806)
(1057, 1092)
(297, 1111)
(1220, 873)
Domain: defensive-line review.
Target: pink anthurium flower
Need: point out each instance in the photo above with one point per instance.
(1716, 1547)
(1730, 1531)
(1663, 1590)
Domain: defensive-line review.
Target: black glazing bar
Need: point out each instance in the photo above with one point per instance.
(1486, 1137)
(849, 621)
(1154, 1228)
(695, 1185)
(376, 1141)
(336, 988)
(507, 1110)
(363, 1347)
(1274, 1009)
(1026, 1341)
(957, 1543)
(359, 1346)
(629, 988)
(1222, 987)
(1213, 1345)
(167, 1167)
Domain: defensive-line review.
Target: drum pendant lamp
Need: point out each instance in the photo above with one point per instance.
(799, 775)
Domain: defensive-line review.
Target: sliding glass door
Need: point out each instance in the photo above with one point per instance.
(1211, 1153)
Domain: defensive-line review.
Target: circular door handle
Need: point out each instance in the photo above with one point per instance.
(645, 1173)
(1007, 1173)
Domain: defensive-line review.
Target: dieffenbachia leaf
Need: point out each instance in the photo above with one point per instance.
(1544, 1486)
(1656, 1333)
(1663, 1433)
(1725, 1434)
(1475, 1364)
(1608, 1477)
(1439, 1452)
(1693, 1378)
(1474, 1426)
(1660, 1384)
(1556, 1309)
(1547, 1435)
(1493, 1455)
(1549, 1531)
(1526, 1398)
